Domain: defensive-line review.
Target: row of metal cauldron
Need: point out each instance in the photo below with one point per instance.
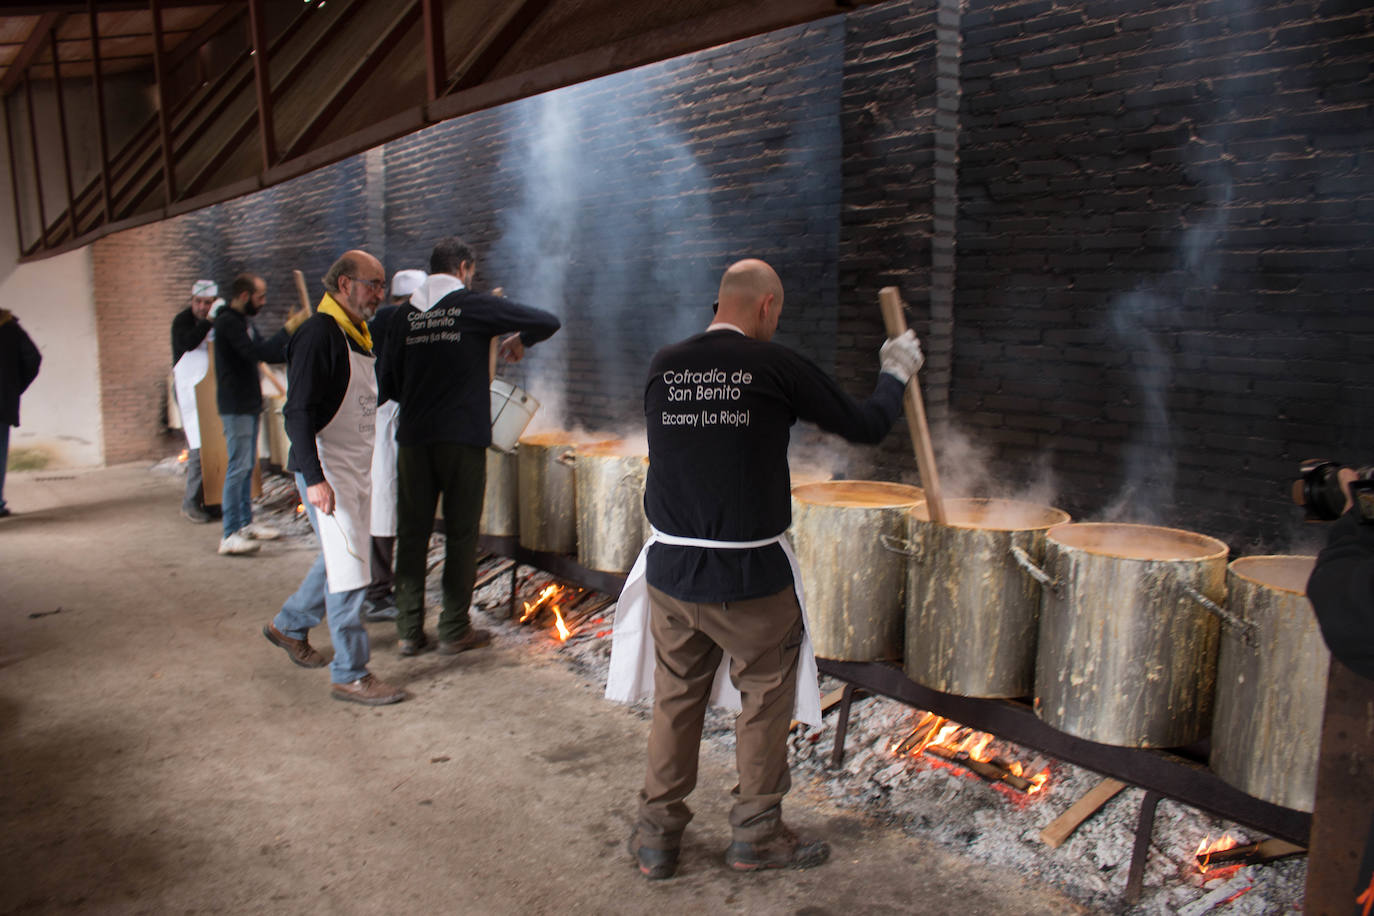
(1128, 635)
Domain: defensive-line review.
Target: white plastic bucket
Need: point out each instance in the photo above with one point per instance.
(511, 411)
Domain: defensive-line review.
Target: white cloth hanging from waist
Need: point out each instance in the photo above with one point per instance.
(631, 674)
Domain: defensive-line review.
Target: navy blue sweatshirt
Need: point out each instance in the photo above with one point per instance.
(436, 364)
(718, 408)
(238, 350)
(187, 332)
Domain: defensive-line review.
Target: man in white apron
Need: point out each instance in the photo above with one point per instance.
(380, 603)
(330, 414)
(191, 330)
(716, 589)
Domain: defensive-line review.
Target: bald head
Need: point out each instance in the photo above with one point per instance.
(750, 297)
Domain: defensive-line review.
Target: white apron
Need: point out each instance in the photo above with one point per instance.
(384, 471)
(632, 644)
(345, 449)
(186, 374)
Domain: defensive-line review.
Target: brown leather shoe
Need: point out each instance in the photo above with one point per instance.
(783, 850)
(369, 691)
(411, 647)
(474, 638)
(298, 650)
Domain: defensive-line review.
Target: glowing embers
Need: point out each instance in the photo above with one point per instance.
(947, 743)
(184, 457)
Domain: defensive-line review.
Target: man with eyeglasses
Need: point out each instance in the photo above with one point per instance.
(436, 366)
(331, 407)
(238, 350)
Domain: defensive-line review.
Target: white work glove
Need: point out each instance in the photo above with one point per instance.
(901, 357)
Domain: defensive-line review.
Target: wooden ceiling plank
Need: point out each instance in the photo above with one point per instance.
(361, 71)
(436, 64)
(62, 133)
(164, 121)
(98, 87)
(37, 170)
(494, 43)
(15, 74)
(262, 79)
(14, 173)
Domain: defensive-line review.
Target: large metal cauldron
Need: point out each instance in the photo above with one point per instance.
(971, 610)
(500, 504)
(548, 504)
(1127, 651)
(1271, 683)
(611, 528)
(853, 584)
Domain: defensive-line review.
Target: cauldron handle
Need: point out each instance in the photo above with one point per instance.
(903, 546)
(1035, 572)
(1244, 628)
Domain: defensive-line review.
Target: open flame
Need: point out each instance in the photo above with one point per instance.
(1207, 848)
(544, 596)
(563, 631)
(950, 741)
(184, 456)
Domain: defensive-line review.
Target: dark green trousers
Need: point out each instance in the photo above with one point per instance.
(457, 474)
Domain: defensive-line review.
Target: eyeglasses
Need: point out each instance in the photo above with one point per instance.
(378, 285)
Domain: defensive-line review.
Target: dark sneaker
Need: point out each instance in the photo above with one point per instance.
(194, 513)
(654, 864)
(379, 611)
(409, 647)
(783, 850)
(298, 650)
(367, 690)
(474, 638)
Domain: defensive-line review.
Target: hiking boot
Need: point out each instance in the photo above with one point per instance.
(654, 864)
(236, 545)
(298, 650)
(257, 531)
(379, 611)
(783, 850)
(367, 690)
(474, 638)
(192, 512)
(411, 647)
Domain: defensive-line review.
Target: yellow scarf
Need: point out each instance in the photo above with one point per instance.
(360, 336)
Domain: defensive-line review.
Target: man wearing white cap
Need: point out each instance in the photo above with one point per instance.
(190, 360)
(380, 603)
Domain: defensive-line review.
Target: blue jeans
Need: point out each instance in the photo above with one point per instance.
(241, 441)
(313, 601)
(4, 457)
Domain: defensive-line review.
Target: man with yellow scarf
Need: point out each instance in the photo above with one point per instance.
(331, 404)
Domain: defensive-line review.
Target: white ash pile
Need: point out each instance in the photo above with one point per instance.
(280, 506)
(931, 797)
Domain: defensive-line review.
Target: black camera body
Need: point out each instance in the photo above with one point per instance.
(1321, 490)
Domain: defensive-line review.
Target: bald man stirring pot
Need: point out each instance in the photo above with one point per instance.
(712, 611)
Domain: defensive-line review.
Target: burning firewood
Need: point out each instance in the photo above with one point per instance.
(1269, 850)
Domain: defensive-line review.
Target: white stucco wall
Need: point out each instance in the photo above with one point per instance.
(60, 413)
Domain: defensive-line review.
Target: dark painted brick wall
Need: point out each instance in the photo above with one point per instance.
(1135, 237)
(1165, 238)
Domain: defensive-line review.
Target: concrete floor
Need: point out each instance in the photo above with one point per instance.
(158, 755)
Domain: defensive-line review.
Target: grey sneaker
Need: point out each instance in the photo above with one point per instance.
(379, 611)
(259, 532)
(783, 850)
(194, 513)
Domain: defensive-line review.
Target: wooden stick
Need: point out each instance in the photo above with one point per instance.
(1252, 854)
(1065, 824)
(895, 323)
(301, 291)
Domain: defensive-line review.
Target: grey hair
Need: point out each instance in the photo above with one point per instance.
(346, 266)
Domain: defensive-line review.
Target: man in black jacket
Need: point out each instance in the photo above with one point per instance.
(238, 350)
(718, 576)
(331, 407)
(19, 360)
(190, 355)
(436, 366)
